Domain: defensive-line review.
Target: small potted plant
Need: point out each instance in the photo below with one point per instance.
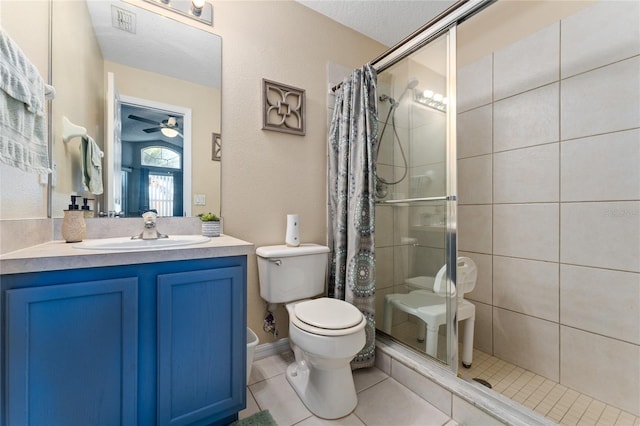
(210, 224)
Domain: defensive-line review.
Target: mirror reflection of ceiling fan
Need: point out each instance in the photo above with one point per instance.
(168, 127)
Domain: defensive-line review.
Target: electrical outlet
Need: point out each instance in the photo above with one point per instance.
(54, 174)
(199, 200)
(43, 178)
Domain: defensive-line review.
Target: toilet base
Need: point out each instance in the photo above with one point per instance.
(328, 394)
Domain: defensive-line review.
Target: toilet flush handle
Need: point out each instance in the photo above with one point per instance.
(278, 262)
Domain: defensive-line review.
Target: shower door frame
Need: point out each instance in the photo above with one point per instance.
(445, 23)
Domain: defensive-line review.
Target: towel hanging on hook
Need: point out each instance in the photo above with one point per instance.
(91, 155)
(91, 165)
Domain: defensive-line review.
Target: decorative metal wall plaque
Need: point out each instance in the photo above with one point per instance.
(216, 147)
(283, 108)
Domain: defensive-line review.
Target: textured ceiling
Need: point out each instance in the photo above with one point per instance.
(386, 21)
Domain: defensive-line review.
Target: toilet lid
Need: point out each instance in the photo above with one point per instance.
(331, 314)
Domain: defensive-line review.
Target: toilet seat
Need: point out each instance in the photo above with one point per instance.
(327, 317)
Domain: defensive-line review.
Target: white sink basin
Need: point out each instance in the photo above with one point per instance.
(126, 243)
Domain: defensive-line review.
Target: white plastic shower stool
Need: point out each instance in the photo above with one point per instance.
(430, 307)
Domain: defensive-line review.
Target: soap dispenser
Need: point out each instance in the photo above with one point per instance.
(86, 208)
(74, 227)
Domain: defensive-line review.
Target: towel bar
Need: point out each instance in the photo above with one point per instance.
(70, 130)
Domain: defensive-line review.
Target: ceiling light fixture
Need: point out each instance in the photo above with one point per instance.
(432, 100)
(169, 132)
(200, 10)
(196, 7)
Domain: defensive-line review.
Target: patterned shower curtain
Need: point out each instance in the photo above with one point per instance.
(352, 140)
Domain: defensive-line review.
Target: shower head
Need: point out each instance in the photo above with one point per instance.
(412, 83)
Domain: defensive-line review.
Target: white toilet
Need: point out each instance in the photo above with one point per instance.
(325, 334)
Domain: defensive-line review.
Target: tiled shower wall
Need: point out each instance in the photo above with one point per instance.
(549, 200)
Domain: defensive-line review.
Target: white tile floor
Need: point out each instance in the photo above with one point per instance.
(381, 400)
(385, 402)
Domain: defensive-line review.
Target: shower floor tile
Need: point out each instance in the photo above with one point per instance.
(554, 401)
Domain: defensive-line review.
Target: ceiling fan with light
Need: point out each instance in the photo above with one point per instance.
(168, 127)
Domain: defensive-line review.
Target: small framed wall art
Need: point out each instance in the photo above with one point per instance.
(216, 146)
(283, 108)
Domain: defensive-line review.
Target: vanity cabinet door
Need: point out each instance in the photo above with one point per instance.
(201, 346)
(71, 354)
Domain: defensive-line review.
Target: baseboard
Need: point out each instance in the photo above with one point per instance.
(273, 348)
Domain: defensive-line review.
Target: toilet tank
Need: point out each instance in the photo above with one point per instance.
(291, 273)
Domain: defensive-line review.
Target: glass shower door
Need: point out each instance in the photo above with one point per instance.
(415, 201)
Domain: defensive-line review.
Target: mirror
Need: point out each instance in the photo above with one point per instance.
(166, 76)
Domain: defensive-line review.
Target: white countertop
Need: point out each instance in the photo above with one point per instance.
(59, 255)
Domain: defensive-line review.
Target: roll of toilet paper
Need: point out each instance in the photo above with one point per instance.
(292, 237)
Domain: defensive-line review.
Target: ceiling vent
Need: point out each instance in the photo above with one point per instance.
(123, 20)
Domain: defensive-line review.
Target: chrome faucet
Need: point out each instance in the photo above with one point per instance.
(149, 232)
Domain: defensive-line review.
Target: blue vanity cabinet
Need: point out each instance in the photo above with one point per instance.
(72, 354)
(147, 344)
(201, 346)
